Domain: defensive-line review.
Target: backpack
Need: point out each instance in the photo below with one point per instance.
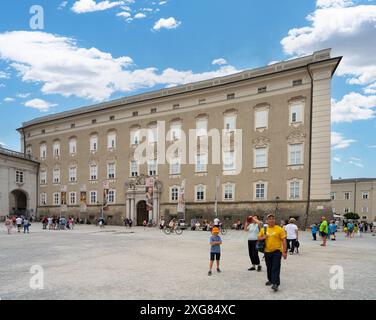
(260, 244)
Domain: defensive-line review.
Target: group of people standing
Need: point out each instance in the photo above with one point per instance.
(20, 222)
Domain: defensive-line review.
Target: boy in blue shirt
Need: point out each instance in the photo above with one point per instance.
(314, 230)
(215, 249)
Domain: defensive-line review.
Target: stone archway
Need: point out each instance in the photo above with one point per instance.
(18, 202)
(142, 213)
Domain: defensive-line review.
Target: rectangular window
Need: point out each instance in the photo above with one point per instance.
(175, 132)
(347, 195)
(201, 101)
(19, 176)
(134, 168)
(201, 161)
(134, 113)
(228, 160)
(294, 190)
(200, 193)
(230, 123)
(111, 196)
(347, 210)
(295, 154)
(111, 141)
(57, 198)
(364, 209)
(111, 170)
(231, 96)
(332, 196)
(260, 191)
(261, 119)
(43, 177)
(73, 174)
(261, 158)
(174, 194)
(153, 110)
(93, 197)
(93, 172)
(201, 127)
(152, 167)
(175, 166)
(72, 198)
(152, 135)
(94, 143)
(73, 125)
(261, 90)
(297, 82)
(176, 106)
(43, 199)
(72, 146)
(112, 118)
(135, 137)
(94, 121)
(229, 191)
(43, 151)
(296, 113)
(43, 131)
(365, 195)
(56, 175)
(56, 149)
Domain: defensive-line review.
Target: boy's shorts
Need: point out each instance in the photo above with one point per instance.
(216, 255)
(323, 234)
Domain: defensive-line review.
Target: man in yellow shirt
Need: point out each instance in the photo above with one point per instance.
(275, 249)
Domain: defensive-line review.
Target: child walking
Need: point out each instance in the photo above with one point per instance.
(215, 250)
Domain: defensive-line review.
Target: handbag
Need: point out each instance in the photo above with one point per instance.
(260, 244)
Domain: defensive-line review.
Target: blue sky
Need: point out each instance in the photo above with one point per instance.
(90, 51)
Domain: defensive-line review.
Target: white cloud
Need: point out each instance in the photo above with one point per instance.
(339, 142)
(124, 14)
(62, 5)
(161, 3)
(8, 100)
(39, 104)
(169, 23)
(4, 75)
(84, 6)
(353, 106)
(333, 3)
(2, 85)
(126, 8)
(61, 67)
(337, 159)
(357, 164)
(22, 95)
(139, 16)
(219, 61)
(2, 145)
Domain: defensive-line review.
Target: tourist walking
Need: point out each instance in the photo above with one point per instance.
(333, 230)
(26, 225)
(19, 223)
(9, 225)
(292, 234)
(324, 230)
(215, 250)
(130, 222)
(253, 227)
(314, 229)
(275, 249)
(44, 222)
(350, 229)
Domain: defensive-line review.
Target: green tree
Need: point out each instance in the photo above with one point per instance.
(351, 216)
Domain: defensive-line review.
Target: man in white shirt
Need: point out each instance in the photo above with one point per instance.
(216, 222)
(292, 234)
(19, 223)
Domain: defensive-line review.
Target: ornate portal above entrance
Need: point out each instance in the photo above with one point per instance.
(142, 191)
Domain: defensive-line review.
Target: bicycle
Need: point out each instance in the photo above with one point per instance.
(169, 230)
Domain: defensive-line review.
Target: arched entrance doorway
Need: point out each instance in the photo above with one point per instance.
(18, 202)
(142, 213)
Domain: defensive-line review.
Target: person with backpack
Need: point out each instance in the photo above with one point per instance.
(26, 225)
(292, 233)
(253, 227)
(274, 238)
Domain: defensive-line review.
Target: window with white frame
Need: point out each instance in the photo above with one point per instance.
(43, 199)
(134, 168)
(57, 198)
(19, 176)
(295, 154)
(201, 127)
(347, 210)
(152, 134)
(260, 190)
(73, 146)
(347, 195)
(56, 148)
(364, 209)
(135, 137)
(111, 196)
(294, 189)
(175, 166)
(111, 168)
(72, 197)
(200, 193)
(152, 167)
(332, 196)
(43, 151)
(93, 197)
(94, 143)
(43, 177)
(228, 191)
(228, 160)
(56, 175)
(29, 150)
(365, 195)
(261, 119)
(73, 174)
(230, 123)
(261, 157)
(296, 113)
(174, 193)
(93, 172)
(201, 162)
(175, 131)
(111, 140)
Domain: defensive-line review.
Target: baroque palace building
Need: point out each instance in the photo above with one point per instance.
(275, 119)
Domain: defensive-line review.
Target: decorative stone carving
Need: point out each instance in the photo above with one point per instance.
(261, 142)
(296, 136)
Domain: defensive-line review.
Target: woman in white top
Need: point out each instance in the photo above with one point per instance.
(291, 235)
(253, 227)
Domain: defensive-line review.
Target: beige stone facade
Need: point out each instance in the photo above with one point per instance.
(354, 195)
(272, 109)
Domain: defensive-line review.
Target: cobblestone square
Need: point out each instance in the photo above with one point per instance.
(116, 263)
